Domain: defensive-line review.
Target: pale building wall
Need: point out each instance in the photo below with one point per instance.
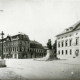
(73, 47)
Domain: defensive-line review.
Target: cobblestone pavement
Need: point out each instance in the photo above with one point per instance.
(44, 70)
(8, 74)
(28, 69)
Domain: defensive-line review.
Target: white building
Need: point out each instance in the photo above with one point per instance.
(68, 42)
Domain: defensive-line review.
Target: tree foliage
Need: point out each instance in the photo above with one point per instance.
(49, 44)
(55, 47)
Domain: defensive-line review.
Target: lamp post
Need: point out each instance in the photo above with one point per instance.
(2, 44)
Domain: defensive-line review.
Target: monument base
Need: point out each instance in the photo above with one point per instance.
(49, 56)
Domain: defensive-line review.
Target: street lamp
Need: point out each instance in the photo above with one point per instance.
(2, 44)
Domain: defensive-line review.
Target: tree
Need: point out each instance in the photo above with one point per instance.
(54, 47)
(49, 44)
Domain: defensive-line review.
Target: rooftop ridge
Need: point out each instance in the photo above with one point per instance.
(70, 29)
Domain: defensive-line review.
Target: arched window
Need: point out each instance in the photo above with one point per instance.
(66, 52)
(59, 44)
(66, 43)
(77, 40)
(62, 52)
(70, 51)
(62, 43)
(70, 42)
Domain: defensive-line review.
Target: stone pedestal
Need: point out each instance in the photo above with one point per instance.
(50, 54)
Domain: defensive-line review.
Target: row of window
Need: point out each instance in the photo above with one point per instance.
(65, 52)
(67, 42)
(13, 43)
(13, 49)
(62, 43)
(36, 50)
(9, 43)
(64, 37)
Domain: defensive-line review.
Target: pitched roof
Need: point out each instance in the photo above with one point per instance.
(74, 27)
(20, 36)
(35, 44)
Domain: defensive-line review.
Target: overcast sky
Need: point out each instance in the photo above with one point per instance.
(39, 19)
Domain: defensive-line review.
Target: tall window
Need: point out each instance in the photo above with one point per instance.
(66, 43)
(77, 41)
(62, 52)
(66, 52)
(59, 44)
(59, 52)
(62, 43)
(70, 42)
(17, 48)
(20, 49)
(70, 51)
(13, 48)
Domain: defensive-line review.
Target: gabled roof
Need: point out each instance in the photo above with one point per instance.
(74, 27)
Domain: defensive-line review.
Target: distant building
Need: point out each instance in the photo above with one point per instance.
(45, 47)
(68, 42)
(36, 49)
(20, 46)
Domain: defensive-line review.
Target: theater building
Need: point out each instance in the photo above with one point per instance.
(68, 42)
(20, 46)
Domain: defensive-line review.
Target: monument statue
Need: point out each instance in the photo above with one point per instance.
(49, 44)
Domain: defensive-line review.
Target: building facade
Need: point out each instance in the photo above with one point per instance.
(19, 47)
(68, 42)
(37, 50)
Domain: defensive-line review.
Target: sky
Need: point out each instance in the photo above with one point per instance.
(39, 19)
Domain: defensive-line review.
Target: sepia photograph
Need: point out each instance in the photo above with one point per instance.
(39, 39)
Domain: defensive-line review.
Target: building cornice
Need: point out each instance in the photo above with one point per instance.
(67, 32)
